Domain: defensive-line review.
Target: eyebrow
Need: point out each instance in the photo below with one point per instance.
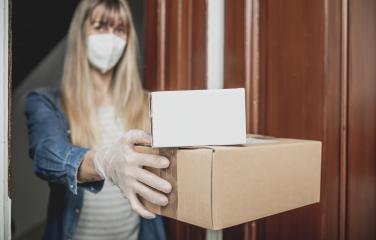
(107, 22)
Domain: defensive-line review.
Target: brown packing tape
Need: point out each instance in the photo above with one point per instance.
(263, 137)
(150, 118)
(169, 174)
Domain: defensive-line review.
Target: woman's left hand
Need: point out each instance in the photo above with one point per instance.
(122, 165)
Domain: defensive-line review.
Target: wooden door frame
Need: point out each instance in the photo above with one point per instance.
(175, 59)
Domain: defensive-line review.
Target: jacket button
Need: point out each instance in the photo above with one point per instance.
(77, 210)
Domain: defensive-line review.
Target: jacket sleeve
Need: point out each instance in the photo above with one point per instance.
(55, 159)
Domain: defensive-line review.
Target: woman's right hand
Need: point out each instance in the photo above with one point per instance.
(123, 166)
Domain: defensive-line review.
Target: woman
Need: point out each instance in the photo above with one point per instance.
(81, 137)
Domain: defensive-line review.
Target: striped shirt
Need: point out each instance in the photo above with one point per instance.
(107, 215)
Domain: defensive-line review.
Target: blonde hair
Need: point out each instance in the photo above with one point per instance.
(129, 98)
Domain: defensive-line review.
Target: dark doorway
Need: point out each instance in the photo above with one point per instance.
(38, 30)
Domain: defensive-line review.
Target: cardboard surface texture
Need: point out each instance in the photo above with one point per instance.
(198, 117)
(215, 187)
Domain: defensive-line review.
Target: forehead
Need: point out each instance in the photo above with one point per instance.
(109, 14)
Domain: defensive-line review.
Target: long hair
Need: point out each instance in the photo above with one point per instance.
(129, 98)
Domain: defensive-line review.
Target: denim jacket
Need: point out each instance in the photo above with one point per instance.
(56, 160)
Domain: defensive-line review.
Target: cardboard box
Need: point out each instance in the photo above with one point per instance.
(198, 117)
(215, 187)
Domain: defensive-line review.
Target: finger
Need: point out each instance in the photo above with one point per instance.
(152, 180)
(150, 195)
(151, 160)
(139, 208)
(136, 136)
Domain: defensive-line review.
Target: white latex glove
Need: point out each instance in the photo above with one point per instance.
(122, 165)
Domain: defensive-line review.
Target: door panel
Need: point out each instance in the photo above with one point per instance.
(175, 44)
(292, 83)
(293, 91)
(361, 207)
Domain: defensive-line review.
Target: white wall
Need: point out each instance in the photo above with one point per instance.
(215, 43)
(215, 61)
(4, 201)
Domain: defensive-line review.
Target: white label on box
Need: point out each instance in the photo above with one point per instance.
(198, 117)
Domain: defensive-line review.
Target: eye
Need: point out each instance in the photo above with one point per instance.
(99, 26)
(120, 30)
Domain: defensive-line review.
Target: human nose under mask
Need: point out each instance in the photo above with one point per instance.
(105, 50)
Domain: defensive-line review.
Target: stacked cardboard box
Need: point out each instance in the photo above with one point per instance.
(220, 186)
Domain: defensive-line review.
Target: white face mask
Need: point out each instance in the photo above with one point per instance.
(105, 50)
